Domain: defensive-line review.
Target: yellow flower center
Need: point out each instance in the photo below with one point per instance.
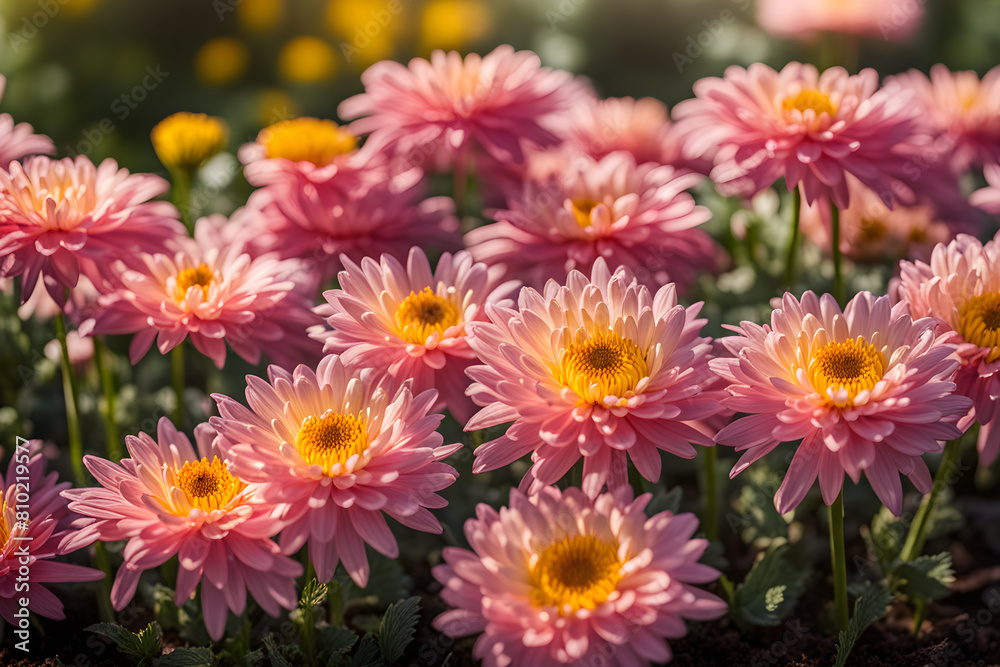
(200, 276)
(4, 529)
(422, 313)
(605, 365)
(810, 98)
(581, 209)
(871, 231)
(185, 140)
(574, 573)
(307, 140)
(854, 365)
(979, 322)
(208, 485)
(331, 439)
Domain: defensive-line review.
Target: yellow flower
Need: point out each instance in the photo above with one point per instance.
(453, 24)
(221, 61)
(259, 15)
(185, 140)
(369, 29)
(307, 60)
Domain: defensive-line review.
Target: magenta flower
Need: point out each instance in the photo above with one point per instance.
(760, 125)
(411, 321)
(169, 500)
(215, 293)
(600, 369)
(448, 107)
(557, 578)
(341, 449)
(35, 526)
(59, 218)
(867, 389)
(636, 216)
(961, 288)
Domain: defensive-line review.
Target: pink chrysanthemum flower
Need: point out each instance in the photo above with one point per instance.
(640, 127)
(61, 217)
(411, 321)
(600, 368)
(449, 107)
(988, 198)
(216, 294)
(961, 288)
(167, 500)
(960, 108)
(636, 216)
(760, 125)
(33, 531)
(557, 578)
(803, 19)
(866, 389)
(342, 449)
(18, 140)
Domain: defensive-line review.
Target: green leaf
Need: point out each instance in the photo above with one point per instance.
(313, 594)
(665, 501)
(868, 608)
(198, 656)
(925, 578)
(274, 653)
(771, 589)
(252, 659)
(387, 582)
(755, 516)
(335, 639)
(141, 648)
(397, 629)
(367, 654)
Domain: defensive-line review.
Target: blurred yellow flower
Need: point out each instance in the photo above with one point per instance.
(221, 61)
(185, 140)
(307, 60)
(306, 139)
(369, 29)
(259, 15)
(453, 24)
(273, 105)
(79, 6)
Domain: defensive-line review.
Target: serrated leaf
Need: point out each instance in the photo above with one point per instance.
(367, 654)
(141, 648)
(925, 578)
(771, 589)
(197, 656)
(665, 501)
(274, 653)
(868, 608)
(313, 594)
(756, 516)
(150, 645)
(335, 639)
(252, 659)
(397, 629)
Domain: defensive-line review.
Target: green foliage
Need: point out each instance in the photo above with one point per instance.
(756, 517)
(274, 653)
(313, 594)
(770, 590)
(140, 648)
(198, 656)
(925, 578)
(869, 607)
(665, 501)
(397, 629)
(367, 654)
(386, 583)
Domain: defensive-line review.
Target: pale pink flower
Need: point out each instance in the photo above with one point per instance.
(961, 288)
(35, 525)
(641, 127)
(81, 350)
(59, 218)
(867, 389)
(636, 216)
(216, 294)
(803, 19)
(759, 125)
(960, 108)
(988, 198)
(449, 108)
(343, 449)
(412, 321)
(873, 233)
(600, 368)
(18, 140)
(170, 500)
(557, 578)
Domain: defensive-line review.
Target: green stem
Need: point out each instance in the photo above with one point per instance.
(793, 245)
(335, 601)
(711, 519)
(103, 359)
(838, 554)
(839, 288)
(181, 191)
(918, 529)
(634, 480)
(104, 591)
(460, 186)
(177, 371)
(919, 612)
(71, 397)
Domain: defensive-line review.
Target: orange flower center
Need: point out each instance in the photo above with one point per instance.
(200, 276)
(605, 365)
(810, 98)
(307, 140)
(422, 313)
(854, 366)
(581, 209)
(331, 439)
(208, 485)
(185, 140)
(574, 573)
(979, 322)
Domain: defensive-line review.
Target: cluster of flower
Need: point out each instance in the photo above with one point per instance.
(596, 360)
